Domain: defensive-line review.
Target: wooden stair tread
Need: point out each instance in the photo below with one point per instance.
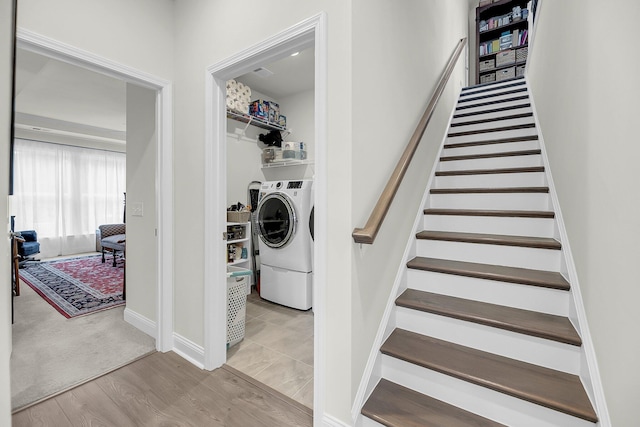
(491, 130)
(541, 325)
(527, 169)
(488, 212)
(500, 273)
(492, 141)
(489, 190)
(393, 405)
(468, 91)
(543, 386)
(491, 239)
(491, 155)
(470, 97)
(497, 101)
(492, 119)
(492, 110)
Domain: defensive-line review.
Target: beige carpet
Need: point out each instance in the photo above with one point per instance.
(52, 353)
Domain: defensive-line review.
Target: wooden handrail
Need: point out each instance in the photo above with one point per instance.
(368, 233)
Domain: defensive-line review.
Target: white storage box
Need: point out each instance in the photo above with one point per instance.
(237, 279)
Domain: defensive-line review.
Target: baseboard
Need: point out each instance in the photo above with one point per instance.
(329, 421)
(140, 322)
(188, 350)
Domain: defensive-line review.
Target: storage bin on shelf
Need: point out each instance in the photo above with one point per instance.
(486, 78)
(505, 57)
(236, 303)
(521, 54)
(507, 73)
(238, 216)
(489, 64)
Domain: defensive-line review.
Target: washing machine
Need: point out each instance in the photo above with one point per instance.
(283, 221)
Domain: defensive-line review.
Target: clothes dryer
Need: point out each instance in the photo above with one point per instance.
(283, 223)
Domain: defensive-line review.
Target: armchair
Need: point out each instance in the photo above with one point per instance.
(28, 246)
(112, 238)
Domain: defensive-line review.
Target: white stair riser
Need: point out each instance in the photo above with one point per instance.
(489, 125)
(491, 163)
(511, 256)
(367, 422)
(534, 227)
(492, 148)
(503, 96)
(524, 179)
(495, 88)
(526, 297)
(490, 136)
(491, 115)
(477, 399)
(542, 352)
(496, 92)
(508, 201)
(484, 108)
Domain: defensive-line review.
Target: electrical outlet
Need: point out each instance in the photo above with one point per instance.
(137, 209)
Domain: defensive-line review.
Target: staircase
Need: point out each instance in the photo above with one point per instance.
(481, 335)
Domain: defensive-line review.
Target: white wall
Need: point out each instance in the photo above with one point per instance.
(583, 75)
(135, 33)
(141, 189)
(299, 109)
(395, 70)
(206, 33)
(6, 74)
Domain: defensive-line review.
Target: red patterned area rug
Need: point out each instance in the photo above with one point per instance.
(76, 286)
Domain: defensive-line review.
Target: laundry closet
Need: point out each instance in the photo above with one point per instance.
(270, 169)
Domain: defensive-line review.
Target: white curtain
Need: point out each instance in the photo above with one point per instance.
(65, 193)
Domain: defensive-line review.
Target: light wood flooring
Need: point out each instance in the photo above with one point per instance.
(166, 390)
(277, 349)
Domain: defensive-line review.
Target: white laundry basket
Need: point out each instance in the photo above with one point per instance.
(236, 303)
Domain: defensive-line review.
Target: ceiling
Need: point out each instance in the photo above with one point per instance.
(52, 95)
(291, 75)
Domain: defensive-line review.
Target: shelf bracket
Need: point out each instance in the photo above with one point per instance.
(247, 125)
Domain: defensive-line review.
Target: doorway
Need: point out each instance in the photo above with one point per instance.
(159, 102)
(309, 33)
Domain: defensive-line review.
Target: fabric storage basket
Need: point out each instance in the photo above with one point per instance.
(507, 73)
(505, 57)
(520, 70)
(521, 54)
(486, 78)
(235, 216)
(487, 65)
(237, 279)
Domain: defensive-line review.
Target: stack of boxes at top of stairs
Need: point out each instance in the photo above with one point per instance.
(482, 335)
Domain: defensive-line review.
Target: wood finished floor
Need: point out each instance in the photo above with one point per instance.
(165, 390)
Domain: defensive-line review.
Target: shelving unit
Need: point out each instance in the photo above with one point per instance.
(499, 55)
(287, 162)
(254, 121)
(235, 246)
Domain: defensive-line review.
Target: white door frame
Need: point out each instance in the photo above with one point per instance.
(308, 33)
(51, 48)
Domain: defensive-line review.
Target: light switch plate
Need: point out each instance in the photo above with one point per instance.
(137, 209)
